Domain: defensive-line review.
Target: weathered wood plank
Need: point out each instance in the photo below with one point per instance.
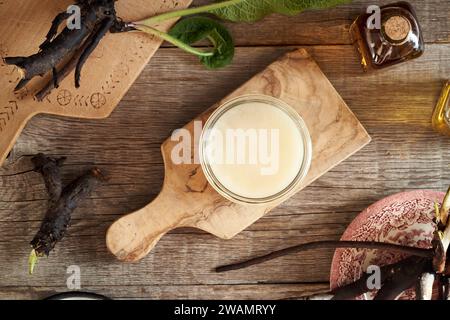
(232, 292)
(331, 26)
(196, 254)
(394, 105)
(150, 111)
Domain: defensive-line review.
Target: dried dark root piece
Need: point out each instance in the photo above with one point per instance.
(64, 71)
(106, 24)
(394, 278)
(98, 17)
(59, 19)
(50, 170)
(62, 204)
(426, 253)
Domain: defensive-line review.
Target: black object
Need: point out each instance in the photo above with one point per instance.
(77, 295)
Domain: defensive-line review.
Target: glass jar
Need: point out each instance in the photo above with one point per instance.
(246, 182)
(397, 39)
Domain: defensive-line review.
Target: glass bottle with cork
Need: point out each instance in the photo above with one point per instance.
(387, 36)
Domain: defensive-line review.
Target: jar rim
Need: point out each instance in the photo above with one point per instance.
(301, 126)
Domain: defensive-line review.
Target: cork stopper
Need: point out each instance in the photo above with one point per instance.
(397, 28)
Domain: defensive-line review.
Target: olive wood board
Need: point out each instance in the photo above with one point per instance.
(187, 200)
(106, 77)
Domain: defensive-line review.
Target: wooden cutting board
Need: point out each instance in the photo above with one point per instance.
(187, 200)
(105, 78)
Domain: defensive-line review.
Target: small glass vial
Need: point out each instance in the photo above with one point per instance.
(441, 115)
(395, 38)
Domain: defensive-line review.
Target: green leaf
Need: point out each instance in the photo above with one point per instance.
(253, 10)
(195, 29)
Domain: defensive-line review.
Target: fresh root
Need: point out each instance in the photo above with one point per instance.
(98, 18)
(61, 74)
(50, 170)
(62, 203)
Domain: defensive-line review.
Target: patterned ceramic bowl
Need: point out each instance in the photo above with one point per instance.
(405, 218)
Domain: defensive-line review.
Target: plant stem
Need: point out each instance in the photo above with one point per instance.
(425, 253)
(187, 12)
(174, 41)
(32, 260)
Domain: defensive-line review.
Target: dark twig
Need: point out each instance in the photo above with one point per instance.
(425, 253)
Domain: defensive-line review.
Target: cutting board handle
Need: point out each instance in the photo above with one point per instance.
(12, 122)
(133, 236)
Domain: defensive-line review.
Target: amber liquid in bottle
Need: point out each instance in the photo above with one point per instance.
(398, 39)
(441, 115)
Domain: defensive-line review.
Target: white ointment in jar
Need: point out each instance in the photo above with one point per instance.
(255, 149)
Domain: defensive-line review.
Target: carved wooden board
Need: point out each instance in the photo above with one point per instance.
(187, 200)
(105, 78)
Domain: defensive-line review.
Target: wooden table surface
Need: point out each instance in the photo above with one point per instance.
(394, 105)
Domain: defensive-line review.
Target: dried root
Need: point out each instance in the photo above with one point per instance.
(62, 202)
(72, 45)
(427, 253)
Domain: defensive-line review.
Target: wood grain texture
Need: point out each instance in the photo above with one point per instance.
(106, 77)
(394, 105)
(201, 292)
(335, 133)
(331, 26)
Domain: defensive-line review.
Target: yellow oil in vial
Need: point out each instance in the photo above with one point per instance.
(441, 115)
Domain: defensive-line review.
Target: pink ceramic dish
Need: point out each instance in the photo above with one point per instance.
(404, 218)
